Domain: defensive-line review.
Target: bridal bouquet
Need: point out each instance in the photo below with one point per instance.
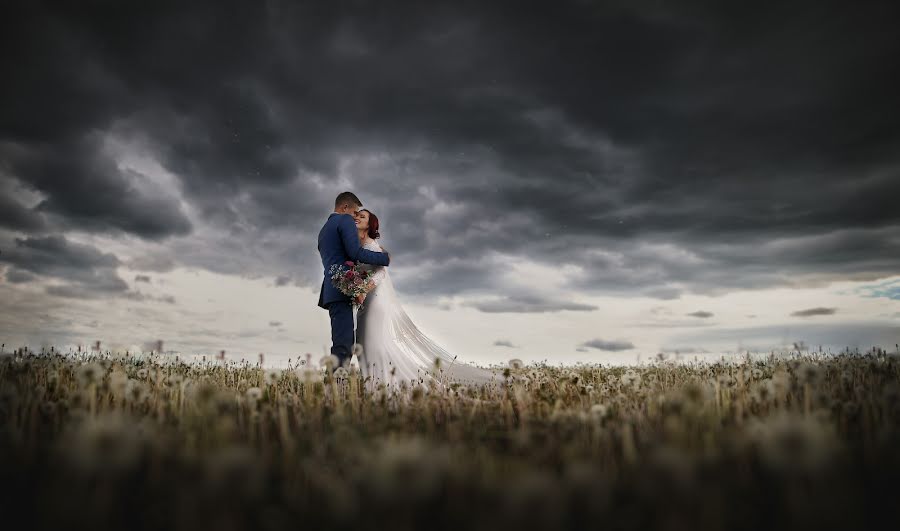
(350, 278)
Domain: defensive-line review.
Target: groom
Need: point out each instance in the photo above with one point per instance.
(339, 243)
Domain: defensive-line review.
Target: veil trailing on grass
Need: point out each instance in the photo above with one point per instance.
(394, 349)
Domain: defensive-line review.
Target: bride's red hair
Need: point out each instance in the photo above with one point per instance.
(373, 225)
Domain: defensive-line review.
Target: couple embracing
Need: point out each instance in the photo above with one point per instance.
(394, 349)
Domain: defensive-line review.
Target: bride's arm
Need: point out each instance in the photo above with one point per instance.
(378, 273)
(377, 277)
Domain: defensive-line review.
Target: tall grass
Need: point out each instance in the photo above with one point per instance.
(806, 442)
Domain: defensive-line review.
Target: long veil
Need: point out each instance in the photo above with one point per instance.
(394, 349)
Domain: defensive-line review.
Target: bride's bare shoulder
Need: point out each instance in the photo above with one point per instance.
(372, 245)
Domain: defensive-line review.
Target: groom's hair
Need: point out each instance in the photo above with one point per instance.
(346, 198)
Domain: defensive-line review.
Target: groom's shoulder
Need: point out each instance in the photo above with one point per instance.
(342, 219)
(336, 220)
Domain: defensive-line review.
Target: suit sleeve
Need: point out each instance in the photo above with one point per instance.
(350, 240)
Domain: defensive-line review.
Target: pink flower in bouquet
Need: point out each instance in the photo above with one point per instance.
(349, 263)
(351, 279)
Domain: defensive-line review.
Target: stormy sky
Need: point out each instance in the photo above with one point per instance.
(556, 180)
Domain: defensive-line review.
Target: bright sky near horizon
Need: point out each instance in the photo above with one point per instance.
(567, 182)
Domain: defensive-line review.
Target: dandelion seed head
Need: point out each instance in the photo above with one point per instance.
(791, 443)
(106, 443)
(118, 379)
(136, 391)
(600, 411)
(330, 361)
(273, 376)
(809, 372)
(89, 373)
(254, 393)
(630, 378)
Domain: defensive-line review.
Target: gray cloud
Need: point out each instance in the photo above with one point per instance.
(142, 278)
(18, 276)
(528, 304)
(702, 314)
(611, 346)
(814, 311)
(14, 215)
(151, 262)
(139, 296)
(664, 293)
(504, 343)
(80, 291)
(689, 174)
(833, 335)
(85, 189)
(275, 323)
(85, 269)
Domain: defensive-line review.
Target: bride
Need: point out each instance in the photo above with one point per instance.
(394, 349)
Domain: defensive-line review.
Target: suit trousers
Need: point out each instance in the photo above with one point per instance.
(342, 334)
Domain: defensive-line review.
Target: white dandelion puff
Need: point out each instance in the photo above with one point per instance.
(254, 393)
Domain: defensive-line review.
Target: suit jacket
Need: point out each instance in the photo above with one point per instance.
(338, 243)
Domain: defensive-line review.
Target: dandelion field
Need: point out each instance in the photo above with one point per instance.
(799, 442)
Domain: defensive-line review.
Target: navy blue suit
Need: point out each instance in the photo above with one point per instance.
(339, 243)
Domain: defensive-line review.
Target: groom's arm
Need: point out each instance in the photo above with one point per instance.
(350, 239)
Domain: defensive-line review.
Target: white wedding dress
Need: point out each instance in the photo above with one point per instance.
(394, 349)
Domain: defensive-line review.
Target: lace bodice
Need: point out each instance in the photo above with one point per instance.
(372, 245)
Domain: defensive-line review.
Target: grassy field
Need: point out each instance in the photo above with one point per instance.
(791, 443)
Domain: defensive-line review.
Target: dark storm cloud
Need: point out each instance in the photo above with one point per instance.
(814, 311)
(86, 188)
(627, 267)
(610, 346)
(745, 145)
(86, 269)
(55, 256)
(15, 216)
